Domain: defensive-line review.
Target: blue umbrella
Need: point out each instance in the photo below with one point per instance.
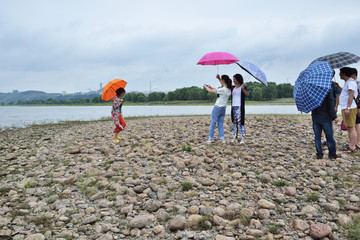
(253, 71)
(312, 86)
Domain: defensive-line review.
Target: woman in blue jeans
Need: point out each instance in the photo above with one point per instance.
(322, 118)
(218, 112)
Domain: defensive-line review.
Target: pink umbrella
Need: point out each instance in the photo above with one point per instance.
(216, 58)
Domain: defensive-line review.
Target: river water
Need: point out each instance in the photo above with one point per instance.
(19, 116)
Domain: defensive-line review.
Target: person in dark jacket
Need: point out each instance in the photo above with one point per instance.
(322, 118)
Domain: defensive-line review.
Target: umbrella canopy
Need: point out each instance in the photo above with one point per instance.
(253, 71)
(312, 86)
(339, 60)
(110, 88)
(217, 58)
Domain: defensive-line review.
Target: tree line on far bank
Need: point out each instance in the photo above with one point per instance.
(258, 92)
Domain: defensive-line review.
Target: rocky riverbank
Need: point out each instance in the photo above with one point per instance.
(69, 181)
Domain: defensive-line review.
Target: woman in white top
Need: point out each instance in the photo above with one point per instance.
(238, 107)
(218, 112)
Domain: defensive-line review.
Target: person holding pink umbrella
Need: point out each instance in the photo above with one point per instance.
(218, 112)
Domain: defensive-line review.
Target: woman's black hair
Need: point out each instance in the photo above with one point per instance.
(120, 91)
(239, 78)
(347, 71)
(227, 81)
(354, 71)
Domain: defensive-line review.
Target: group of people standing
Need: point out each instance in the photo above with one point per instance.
(322, 117)
(237, 93)
(326, 113)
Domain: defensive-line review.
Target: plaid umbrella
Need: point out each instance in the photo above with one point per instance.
(312, 86)
(339, 60)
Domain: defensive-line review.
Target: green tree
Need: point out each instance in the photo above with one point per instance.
(96, 99)
(141, 97)
(156, 96)
(131, 97)
(269, 92)
(285, 90)
(211, 97)
(257, 94)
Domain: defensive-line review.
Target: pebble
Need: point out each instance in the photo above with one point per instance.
(320, 230)
(266, 204)
(299, 224)
(178, 223)
(82, 186)
(141, 221)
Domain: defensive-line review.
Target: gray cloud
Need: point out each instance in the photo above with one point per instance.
(74, 46)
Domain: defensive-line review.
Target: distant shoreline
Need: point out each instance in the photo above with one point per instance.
(167, 103)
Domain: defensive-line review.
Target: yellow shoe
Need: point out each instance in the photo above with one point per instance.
(116, 141)
(118, 137)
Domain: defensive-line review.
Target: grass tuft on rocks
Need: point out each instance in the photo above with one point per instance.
(186, 186)
(279, 183)
(353, 229)
(312, 197)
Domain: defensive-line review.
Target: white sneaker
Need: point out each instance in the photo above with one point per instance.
(223, 141)
(209, 142)
(233, 140)
(242, 142)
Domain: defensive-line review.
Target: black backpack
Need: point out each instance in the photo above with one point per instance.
(357, 100)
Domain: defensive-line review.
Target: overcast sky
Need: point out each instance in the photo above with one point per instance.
(74, 45)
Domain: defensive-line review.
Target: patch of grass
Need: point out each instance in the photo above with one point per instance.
(258, 119)
(4, 190)
(88, 188)
(49, 182)
(160, 172)
(111, 196)
(42, 220)
(223, 184)
(312, 197)
(30, 184)
(186, 186)
(279, 183)
(134, 145)
(353, 229)
(341, 202)
(134, 176)
(339, 185)
(186, 148)
(273, 228)
(173, 211)
(91, 191)
(71, 212)
(244, 219)
(163, 181)
(205, 223)
(50, 200)
(107, 164)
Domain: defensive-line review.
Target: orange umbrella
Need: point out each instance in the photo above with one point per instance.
(110, 88)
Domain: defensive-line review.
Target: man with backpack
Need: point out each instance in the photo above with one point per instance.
(357, 101)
